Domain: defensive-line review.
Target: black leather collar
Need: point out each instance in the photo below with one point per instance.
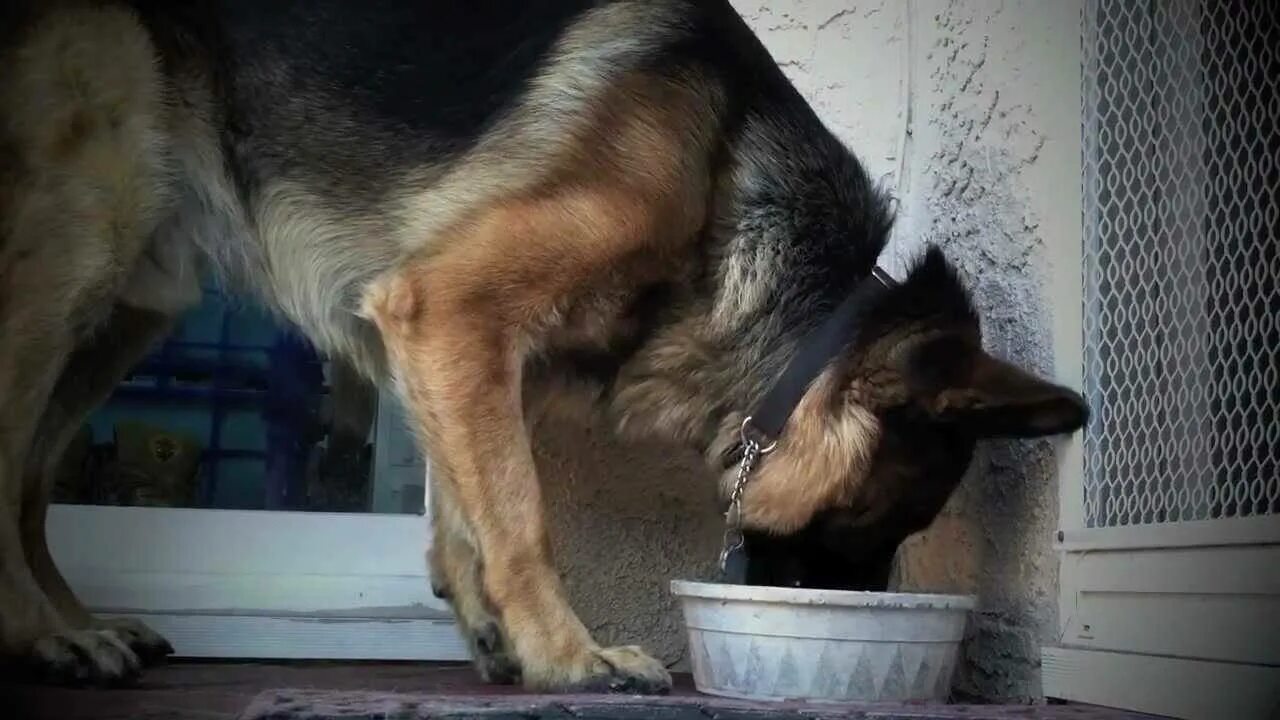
(765, 423)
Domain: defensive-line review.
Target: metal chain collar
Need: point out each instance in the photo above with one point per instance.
(752, 451)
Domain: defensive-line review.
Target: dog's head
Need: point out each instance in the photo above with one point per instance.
(884, 434)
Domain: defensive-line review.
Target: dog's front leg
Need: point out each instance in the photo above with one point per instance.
(454, 337)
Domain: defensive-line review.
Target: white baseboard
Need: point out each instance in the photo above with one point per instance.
(1175, 687)
(303, 638)
(257, 584)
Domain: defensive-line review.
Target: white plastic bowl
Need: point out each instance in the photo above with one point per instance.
(771, 643)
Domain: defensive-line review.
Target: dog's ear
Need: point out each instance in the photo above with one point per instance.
(956, 382)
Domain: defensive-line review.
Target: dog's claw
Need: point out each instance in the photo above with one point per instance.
(150, 646)
(83, 657)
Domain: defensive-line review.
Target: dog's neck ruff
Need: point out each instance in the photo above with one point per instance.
(818, 347)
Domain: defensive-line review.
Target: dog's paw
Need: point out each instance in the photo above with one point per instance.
(616, 670)
(494, 660)
(83, 657)
(631, 670)
(150, 646)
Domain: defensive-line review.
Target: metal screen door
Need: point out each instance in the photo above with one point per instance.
(1169, 599)
(1181, 261)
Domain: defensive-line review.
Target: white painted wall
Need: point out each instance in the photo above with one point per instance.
(969, 111)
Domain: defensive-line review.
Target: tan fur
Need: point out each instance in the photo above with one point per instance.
(820, 460)
(458, 324)
(515, 155)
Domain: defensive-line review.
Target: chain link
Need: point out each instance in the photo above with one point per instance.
(733, 538)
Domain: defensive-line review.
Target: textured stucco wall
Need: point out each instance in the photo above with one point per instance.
(969, 112)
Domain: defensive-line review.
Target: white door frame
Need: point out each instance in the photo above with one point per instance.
(1178, 619)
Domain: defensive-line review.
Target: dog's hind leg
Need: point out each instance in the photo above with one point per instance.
(457, 576)
(88, 379)
(37, 332)
(82, 187)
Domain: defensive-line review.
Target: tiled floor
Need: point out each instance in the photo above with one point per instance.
(227, 691)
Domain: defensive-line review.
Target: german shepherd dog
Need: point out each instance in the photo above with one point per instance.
(474, 201)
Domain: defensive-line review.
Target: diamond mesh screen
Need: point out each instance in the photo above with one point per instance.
(1182, 260)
